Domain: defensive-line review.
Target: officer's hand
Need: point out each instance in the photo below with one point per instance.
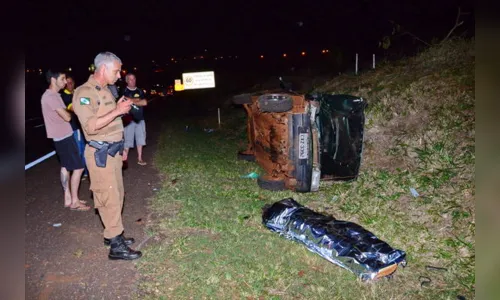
(123, 105)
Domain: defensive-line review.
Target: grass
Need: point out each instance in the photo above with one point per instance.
(209, 239)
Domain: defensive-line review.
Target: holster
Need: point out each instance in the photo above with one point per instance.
(103, 149)
(115, 148)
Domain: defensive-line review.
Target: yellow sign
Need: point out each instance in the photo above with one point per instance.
(178, 86)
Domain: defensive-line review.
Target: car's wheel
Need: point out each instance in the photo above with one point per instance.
(275, 103)
(271, 185)
(242, 99)
(247, 157)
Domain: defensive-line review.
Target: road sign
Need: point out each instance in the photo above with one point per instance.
(198, 80)
(178, 86)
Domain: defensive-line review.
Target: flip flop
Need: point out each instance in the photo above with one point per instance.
(81, 202)
(142, 163)
(80, 208)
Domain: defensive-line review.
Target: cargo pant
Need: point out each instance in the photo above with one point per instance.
(107, 187)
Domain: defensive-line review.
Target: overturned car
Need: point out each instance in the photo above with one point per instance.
(300, 139)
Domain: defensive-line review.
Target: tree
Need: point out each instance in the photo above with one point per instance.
(399, 31)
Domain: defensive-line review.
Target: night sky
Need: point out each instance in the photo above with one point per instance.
(66, 34)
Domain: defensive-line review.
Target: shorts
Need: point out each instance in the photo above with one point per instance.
(67, 151)
(135, 132)
(80, 143)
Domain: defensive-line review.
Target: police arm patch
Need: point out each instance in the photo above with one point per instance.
(84, 101)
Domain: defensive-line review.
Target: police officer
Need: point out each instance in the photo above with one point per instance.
(100, 118)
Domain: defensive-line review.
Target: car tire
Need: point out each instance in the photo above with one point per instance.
(275, 103)
(247, 157)
(242, 99)
(271, 185)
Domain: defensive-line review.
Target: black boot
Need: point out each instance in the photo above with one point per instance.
(128, 241)
(120, 250)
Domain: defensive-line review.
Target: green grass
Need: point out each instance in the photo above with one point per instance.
(210, 242)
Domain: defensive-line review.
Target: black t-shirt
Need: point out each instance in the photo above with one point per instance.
(67, 99)
(137, 94)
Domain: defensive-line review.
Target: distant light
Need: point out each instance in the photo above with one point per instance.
(69, 69)
(172, 59)
(135, 68)
(221, 57)
(262, 56)
(303, 53)
(323, 51)
(27, 70)
(284, 54)
(202, 57)
(194, 57)
(206, 50)
(236, 56)
(327, 50)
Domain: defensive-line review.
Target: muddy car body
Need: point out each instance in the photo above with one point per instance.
(299, 139)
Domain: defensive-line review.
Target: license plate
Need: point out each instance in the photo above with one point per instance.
(303, 146)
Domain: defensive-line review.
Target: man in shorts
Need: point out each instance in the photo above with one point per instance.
(67, 96)
(58, 128)
(136, 129)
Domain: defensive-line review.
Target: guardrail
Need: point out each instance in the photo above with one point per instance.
(39, 160)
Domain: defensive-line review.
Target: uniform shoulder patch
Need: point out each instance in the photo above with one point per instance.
(84, 101)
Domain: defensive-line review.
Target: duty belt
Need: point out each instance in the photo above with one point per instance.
(105, 148)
